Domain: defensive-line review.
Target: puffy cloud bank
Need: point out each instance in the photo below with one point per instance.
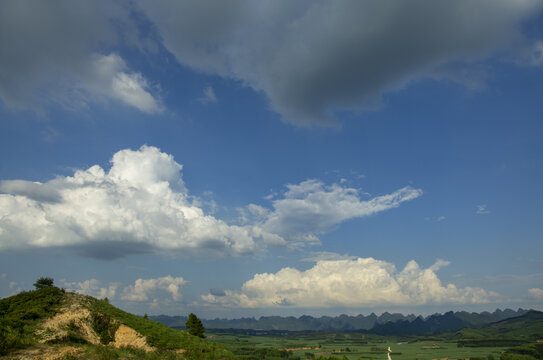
(141, 205)
(310, 58)
(92, 287)
(141, 291)
(350, 283)
(536, 293)
(143, 287)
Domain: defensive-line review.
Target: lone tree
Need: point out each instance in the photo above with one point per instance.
(195, 326)
(43, 282)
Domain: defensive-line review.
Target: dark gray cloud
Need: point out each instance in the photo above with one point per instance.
(310, 58)
(32, 190)
(314, 58)
(64, 52)
(217, 292)
(112, 248)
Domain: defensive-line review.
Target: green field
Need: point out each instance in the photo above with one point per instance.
(350, 346)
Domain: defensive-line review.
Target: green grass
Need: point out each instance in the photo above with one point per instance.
(355, 346)
(160, 336)
(528, 327)
(21, 314)
(110, 353)
(525, 352)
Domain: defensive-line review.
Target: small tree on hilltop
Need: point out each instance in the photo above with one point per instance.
(43, 282)
(195, 326)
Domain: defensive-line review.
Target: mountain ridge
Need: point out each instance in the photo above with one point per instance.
(449, 321)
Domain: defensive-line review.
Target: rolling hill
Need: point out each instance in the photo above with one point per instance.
(527, 327)
(53, 324)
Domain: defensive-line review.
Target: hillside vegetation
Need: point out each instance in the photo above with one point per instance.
(51, 324)
(528, 327)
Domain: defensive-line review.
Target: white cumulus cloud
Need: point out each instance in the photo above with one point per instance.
(143, 289)
(93, 287)
(110, 78)
(139, 205)
(536, 293)
(351, 283)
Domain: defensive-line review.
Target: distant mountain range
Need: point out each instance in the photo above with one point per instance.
(384, 324)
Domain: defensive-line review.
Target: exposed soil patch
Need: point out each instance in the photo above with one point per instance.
(71, 317)
(128, 337)
(74, 319)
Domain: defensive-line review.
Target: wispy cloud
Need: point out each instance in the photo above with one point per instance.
(317, 256)
(351, 282)
(208, 96)
(311, 208)
(14, 287)
(531, 56)
(481, 209)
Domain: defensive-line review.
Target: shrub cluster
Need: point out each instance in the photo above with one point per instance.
(20, 314)
(105, 327)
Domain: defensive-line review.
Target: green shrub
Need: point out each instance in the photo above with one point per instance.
(160, 336)
(43, 282)
(21, 313)
(9, 339)
(105, 327)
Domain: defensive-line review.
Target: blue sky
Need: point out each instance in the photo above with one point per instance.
(256, 158)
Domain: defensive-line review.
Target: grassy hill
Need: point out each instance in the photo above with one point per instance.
(528, 327)
(523, 333)
(52, 324)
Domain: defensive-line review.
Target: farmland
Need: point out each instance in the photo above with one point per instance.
(351, 345)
